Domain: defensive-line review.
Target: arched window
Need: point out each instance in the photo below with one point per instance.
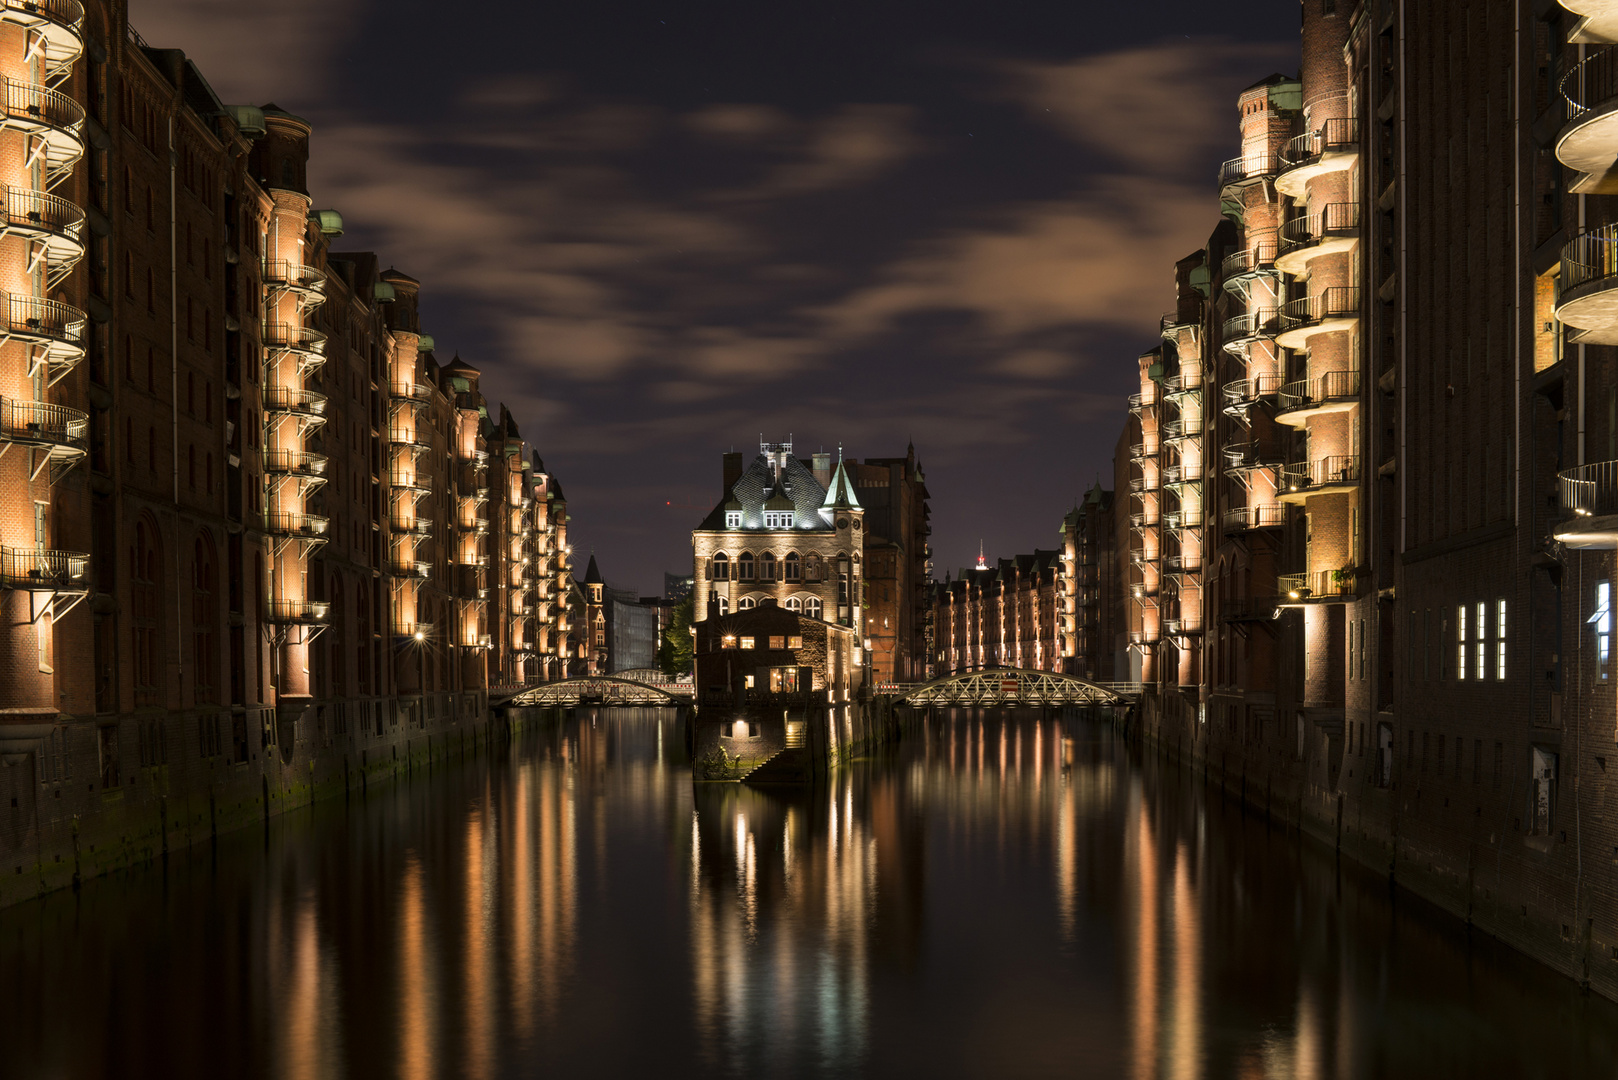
(811, 607)
(766, 566)
(719, 567)
(794, 604)
(811, 568)
(791, 568)
(724, 605)
(744, 566)
(745, 603)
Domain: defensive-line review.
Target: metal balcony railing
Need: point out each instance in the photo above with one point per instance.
(65, 13)
(1262, 516)
(1187, 517)
(38, 211)
(1244, 392)
(1337, 302)
(30, 103)
(1187, 472)
(1589, 490)
(292, 523)
(408, 480)
(40, 423)
(1144, 483)
(417, 437)
(415, 526)
(1243, 456)
(49, 320)
(1172, 322)
(1250, 167)
(1143, 520)
(1590, 257)
(1340, 134)
(42, 570)
(409, 568)
(289, 337)
(285, 274)
(1328, 471)
(305, 612)
(294, 462)
(287, 399)
(1335, 219)
(420, 631)
(1184, 381)
(1316, 585)
(1183, 564)
(1590, 84)
(1146, 448)
(1311, 393)
(413, 391)
(1261, 323)
(1137, 402)
(1259, 255)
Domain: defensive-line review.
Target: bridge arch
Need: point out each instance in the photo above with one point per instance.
(1017, 686)
(596, 690)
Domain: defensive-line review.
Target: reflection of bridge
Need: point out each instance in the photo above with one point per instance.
(1016, 686)
(605, 690)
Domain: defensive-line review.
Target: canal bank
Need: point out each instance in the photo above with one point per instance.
(70, 827)
(1530, 892)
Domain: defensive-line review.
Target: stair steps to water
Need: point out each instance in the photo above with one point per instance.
(789, 766)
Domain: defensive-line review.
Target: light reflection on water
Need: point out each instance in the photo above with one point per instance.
(1006, 895)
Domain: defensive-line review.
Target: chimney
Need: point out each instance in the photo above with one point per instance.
(822, 469)
(733, 470)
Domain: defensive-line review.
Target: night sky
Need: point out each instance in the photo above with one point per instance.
(661, 230)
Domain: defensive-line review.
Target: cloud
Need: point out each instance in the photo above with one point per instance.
(254, 52)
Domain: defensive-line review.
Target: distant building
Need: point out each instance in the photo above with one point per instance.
(1006, 615)
(1091, 594)
(622, 629)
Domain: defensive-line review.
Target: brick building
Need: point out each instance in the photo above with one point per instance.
(1372, 465)
(249, 550)
(1091, 595)
(1009, 615)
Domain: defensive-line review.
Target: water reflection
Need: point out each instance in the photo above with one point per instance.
(1008, 895)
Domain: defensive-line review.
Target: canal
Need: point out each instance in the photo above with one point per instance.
(1007, 894)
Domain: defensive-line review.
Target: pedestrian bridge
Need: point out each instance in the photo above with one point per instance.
(1015, 686)
(603, 690)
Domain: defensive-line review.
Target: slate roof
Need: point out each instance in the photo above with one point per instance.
(751, 492)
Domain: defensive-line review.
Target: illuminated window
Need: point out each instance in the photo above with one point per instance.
(794, 604)
(1460, 642)
(746, 603)
(1602, 621)
(794, 641)
(777, 641)
(733, 519)
(784, 680)
(1500, 639)
(811, 607)
(766, 566)
(778, 519)
(719, 569)
(744, 566)
(747, 642)
(730, 641)
(1481, 646)
(790, 567)
(724, 605)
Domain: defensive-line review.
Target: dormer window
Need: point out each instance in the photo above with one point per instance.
(733, 519)
(778, 519)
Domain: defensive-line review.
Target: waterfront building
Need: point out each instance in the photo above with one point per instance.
(246, 549)
(624, 629)
(1372, 462)
(799, 532)
(1089, 593)
(1008, 615)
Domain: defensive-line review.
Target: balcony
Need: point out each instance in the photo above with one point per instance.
(1589, 499)
(1143, 637)
(1187, 517)
(1248, 518)
(1247, 609)
(295, 525)
(1331, 311)
(308, 282)
(1246, 457)
(49, 325)
(40, 570)
(1240, 331)
(55, 29)
(1242, 394)
(1176, 431)
(1306, 237)
(1241, 171)
(1187, 627)
(1172, 323)
(1141, 558)
(1331, 475)
(1318, 587)
(1181, 565)
(50, 221)
(1138, 484)
(51, 117)
(1140, 402)
(1330, 148)
(1187, 381)
(1143, 590)
(414, 526)
(1187, 472)
(294, 463)
(415, 438)
(61, 431)
(409, 480)
(1258, 257)
(478, 526)
(1335, 391)
(1143, 520)
(286, 399)
(308, 345)
(1588, 142)
(298, 612)
(1599, 22)
(420, 393)
(418, 631)
(1146, 448)
(1589, 296)
(418, 569)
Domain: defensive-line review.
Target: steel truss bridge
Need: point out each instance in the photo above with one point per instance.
(1016, 686)
(602, 690)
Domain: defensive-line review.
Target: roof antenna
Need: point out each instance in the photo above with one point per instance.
(983, 564)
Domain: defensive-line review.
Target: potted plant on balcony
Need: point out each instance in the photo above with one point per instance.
(1343, 578)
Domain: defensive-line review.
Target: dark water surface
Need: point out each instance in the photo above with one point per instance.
(1007, 896)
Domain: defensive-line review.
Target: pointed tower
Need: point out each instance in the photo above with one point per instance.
(843, 512)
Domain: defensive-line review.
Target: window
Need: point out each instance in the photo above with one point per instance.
(811, 607)
(766, 566)
(794, 604)
(778, 641)
(744, 566)
(1481, 646)
(1543, 809)
(724, 605)
(812, 568)
(778, 519)
(1602, 621)
(1460, 642)
(719, 567)
(747, 642)
(784, 680)
(794, 641)
(790, 567)
(733, 519)
(1500, 640)
(746, 603)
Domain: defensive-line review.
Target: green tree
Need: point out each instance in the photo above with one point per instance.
(674, 655)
